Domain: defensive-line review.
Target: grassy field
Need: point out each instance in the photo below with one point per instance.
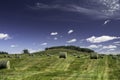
(43, 67)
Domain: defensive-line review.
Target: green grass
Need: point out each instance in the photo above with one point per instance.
(53, 68)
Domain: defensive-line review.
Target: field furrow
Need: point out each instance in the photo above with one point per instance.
(55, 68)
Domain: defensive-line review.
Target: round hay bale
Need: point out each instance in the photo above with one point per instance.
(5, 56)
(18, 56)
(4, 64)
(63, 55)
(49, 55)
(94, 56)
(9, 56)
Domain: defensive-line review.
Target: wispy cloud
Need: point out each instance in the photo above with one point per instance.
(14, 46)
(110, 47)
(72, 41)
(93, 46)
(4, 36)
(100, 39)
(44, 44)
(70, 31)
(105, 9)
(54, 33)
(107, 21)
(67, 7)
(38, 5)
(111, 50)
(117, 43)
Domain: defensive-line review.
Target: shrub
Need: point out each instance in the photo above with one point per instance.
(5, 56)
(49, 55)
(31, 55)
(101, 56)
(63, 55)
(9, 56)
(78, 56)
(4, 64)
(114, 57)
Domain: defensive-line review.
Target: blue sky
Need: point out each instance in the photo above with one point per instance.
(35, 25)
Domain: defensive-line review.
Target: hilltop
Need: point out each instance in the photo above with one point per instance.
(68, 49)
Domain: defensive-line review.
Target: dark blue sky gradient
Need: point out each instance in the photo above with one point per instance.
(29, 27)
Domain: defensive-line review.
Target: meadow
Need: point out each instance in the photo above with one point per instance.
(47, 65)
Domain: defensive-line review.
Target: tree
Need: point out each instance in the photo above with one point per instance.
(25, 51)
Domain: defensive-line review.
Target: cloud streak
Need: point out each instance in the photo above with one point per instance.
(105, 9)
(110, 47)
(72, 41)
(44, 44)
(94, 46)
(101, 39)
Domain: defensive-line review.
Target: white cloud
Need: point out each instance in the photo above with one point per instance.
(110, 47)
(44, 44)
(100, 39)
(72, 41)
(107, 21)
(94, 46)
(70, 31)
(4, 36)
(54, 33)
(55, 38)
(13, 46)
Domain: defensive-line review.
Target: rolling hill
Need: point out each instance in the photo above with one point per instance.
(46, 65)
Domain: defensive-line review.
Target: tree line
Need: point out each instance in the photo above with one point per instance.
(71, 48)
(2, 52)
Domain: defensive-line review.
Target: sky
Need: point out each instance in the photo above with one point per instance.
(37, 24)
